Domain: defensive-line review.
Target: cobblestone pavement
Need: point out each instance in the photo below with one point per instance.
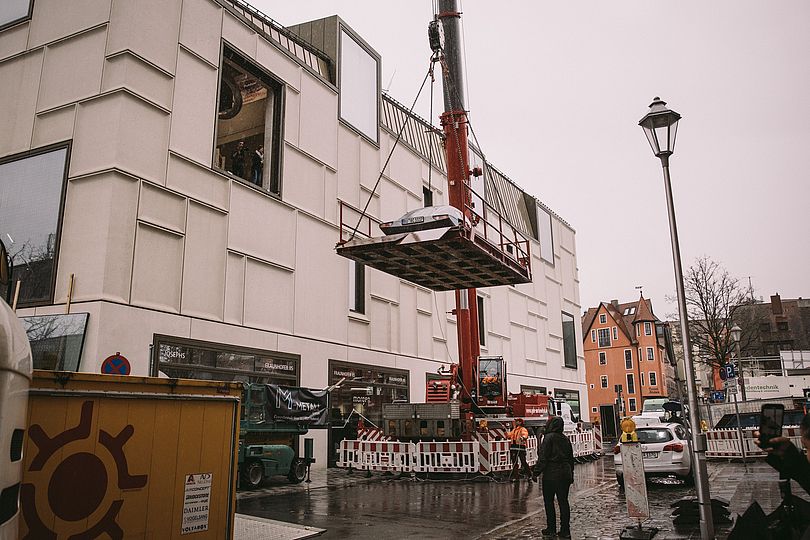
(600, 512)
(392, 507)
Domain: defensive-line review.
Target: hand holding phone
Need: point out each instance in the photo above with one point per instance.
(770, 423)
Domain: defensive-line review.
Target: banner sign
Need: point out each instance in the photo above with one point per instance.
(298, 405)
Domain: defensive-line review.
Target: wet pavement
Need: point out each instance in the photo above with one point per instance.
(390, 506)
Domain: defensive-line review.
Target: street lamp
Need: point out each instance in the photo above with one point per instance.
(660, 126)
(736, 335)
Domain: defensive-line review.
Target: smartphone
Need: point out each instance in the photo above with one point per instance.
(770, 423)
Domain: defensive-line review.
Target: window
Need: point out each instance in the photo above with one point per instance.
(249, 123)
(357, 287)
(545, 236)
(569, 341)
(765, 327)
(604, 337)
(359, 86)
(593, 336)
(602, 358)
(615, 333)
(427, 196)
(56, 340)
(592, 386)
(629, 310)
(533, 390)
(639, 354)
(641, 378)
(631, 403)
(593, 409)
(482, 330)
(603, 381)
(650, 353)
(628, 359)
(782, 326)
(602, 318)
(31, 190)
(631, 384)
(647, 329)
(14, 11)
(571, 397)
(653, 380)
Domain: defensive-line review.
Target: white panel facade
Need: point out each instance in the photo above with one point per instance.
(161, 243)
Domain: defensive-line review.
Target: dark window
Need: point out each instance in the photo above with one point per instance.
(31, 190)
(628, 359)
(631, 404)
(604, 337)
(14, 11)
(602, 318)
(765, 327)
(249, 126)
(615, 334)
(641, 378)
(650, 436)
(533, 390)
(357, 287)
(653, 381)
(631, 384)
(782, 326)
(603, 381)
(602, 358)
(571, 397)
(482, 331)
(650, 353)
(569, 341)
(647, 329)
(427, 196)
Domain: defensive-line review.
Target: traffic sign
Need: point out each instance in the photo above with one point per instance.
(116, 365)
(728, 372)
(731, 389)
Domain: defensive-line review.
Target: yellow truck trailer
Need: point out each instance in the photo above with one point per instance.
(129, 457)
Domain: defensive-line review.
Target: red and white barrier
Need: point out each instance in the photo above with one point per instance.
(598, 445)
(372, 434)
(582, 442)
(446, 457)
(725, 443)
(387, 456)
(349, 454)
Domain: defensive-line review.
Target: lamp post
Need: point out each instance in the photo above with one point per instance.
(660, 126)
(736, 335)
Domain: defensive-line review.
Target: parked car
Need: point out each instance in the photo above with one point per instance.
(429, 217)
(665, 449)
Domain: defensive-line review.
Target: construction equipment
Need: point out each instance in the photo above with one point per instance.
(462, 425)
(268, 433)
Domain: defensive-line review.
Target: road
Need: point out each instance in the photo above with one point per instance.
(389, 507)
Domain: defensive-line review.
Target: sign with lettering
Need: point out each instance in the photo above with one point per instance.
(196, 502)
(279, 366)
(299, 405)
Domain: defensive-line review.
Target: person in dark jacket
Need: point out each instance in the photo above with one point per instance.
(556, 464)
(787, 459)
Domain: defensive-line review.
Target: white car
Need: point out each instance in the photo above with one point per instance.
(429, 217)
(665, 450)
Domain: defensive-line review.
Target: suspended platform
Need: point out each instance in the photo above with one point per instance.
(443, 259)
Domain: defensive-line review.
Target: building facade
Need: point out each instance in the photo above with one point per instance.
(173, 174)
(625, 359)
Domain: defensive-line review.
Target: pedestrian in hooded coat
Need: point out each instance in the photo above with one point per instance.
(556, 464)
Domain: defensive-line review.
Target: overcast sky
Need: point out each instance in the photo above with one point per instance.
(556, 90)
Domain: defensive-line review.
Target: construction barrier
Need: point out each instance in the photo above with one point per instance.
(582, 442)
(725, 443)
(349, 454)
(531, 451)
(372, 434)
(598, 445)
(389, 456)
(446, 457)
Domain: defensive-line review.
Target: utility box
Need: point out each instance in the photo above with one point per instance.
(129, 457)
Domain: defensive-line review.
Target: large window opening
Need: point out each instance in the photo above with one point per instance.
(249, 123)
(482, 330)
(14, 11)
(357, 287)
(569, 341)
(31, 189)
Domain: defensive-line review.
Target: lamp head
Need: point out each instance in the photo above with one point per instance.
(660, 126)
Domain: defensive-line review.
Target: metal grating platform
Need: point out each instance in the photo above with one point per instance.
(443, 259)
(256, 528)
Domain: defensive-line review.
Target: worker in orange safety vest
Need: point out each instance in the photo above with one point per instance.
(519, 436)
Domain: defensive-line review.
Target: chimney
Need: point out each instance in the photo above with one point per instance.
(615, 303)
(776, 304)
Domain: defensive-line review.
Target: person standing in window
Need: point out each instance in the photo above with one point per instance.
(238, 159)
(258, 165)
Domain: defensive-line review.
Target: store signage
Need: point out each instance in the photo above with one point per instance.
(340, 373)
(275, 365)
(300, 405)
(196, 503)
(397, 379)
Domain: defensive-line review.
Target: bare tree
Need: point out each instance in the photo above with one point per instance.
(716, 301)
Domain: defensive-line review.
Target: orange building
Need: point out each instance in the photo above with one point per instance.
(622, 347)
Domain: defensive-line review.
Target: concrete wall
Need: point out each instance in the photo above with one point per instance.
(161, 243)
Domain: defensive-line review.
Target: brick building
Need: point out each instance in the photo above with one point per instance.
(622, 347)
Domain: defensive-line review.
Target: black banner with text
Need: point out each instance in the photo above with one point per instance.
(297, 405)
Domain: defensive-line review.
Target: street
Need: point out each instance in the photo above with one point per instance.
(353, 506)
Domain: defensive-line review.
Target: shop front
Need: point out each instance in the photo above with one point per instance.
(361, 396)
(192, 359)
(571, 397)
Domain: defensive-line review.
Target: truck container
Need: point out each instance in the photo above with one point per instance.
(129, 457)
